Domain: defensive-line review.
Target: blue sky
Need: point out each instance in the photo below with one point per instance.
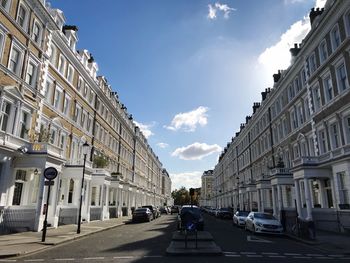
(189, 70)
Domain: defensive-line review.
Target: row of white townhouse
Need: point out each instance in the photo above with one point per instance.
(51, 103)
(292, 156)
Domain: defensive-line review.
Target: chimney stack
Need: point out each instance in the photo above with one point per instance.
(276, 77)
(256, 106)
(315, 13)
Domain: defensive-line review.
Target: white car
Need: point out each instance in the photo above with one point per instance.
(239, 218)
(263, 223)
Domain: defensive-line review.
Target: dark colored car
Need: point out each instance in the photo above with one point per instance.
(190, 215)
(142, 214)
(153, 210)
(163, 210)
(174, 209)
(224, 213)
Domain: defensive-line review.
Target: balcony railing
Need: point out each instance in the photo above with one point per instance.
(280, 171)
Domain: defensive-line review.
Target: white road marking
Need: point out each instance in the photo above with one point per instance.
(291, 254)
(123, 257)
(277, 256)
(269, 253)
(64, 259)
(254, 256)
(258, 240)
(247, 253)
(34, 260)
(227, 252)
(301, 257)
(8, 260)
(232, 255)
(95, 258)
(152, 256)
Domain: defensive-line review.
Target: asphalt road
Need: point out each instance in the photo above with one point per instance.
(147, 242)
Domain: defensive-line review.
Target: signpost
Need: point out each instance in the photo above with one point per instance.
(50, 174)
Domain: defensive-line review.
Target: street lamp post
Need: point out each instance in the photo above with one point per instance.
(86, 147)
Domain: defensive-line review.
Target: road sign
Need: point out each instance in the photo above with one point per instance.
(50, 173)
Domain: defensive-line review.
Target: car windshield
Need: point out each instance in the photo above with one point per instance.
(242, 213)
(141, 210)
(264, 216)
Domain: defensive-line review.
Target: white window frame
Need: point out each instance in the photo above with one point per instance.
(312, 63)
(323, 52)
(20, 49)
(67, 104)
(322, 141)
(53, 55)
(9, 115)
(57, 102)
(34, 78)
(37, 38)
(346, 127)
(62, 61)
(337, 66)
(80, 84)
(3, 34)
(26, 18)
(70, 73)
(316, 106)
(26, 125)
(334, 135)
(347, 22)
(7, 6)
(328, 89)
(49, 89)
(334, 43)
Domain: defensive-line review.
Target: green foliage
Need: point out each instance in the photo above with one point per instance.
(100, 162)
(181, 196)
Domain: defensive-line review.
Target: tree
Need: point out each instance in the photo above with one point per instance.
(181, 196)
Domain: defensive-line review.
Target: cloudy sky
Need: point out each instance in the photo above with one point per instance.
(189, 71)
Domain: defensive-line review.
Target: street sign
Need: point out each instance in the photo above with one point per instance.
(50, 173)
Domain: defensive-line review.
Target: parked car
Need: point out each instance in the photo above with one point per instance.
(153, 210)
(263, 223)
(174, 209)
(224, 213)
(163, 210)
(142, 214)
(190, 211)
(239, 218)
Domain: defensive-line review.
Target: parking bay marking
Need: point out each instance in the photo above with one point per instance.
(259, 240)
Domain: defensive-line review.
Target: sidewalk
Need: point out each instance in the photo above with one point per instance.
(29, 242)
(338, 243)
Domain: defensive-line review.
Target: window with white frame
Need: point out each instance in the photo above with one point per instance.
(291, 92)
(300, 110)
(24, 125)
(343, 189)
(77, 113)
(32, 72)
(88, 123)
(86, 90)
(303, 77)
(328, 88)
(347, 23)
(316, 97)
(63, 141)
(53, 135)
(91, 96)
(335, 136)
(5, 4)
(53, 55)
(294, 119)
(20, 180)
(335, 38)
(36, 32)
(307, 109)
(49, 89)
(5, 115)
(2, 40)
(80, 83)
(296, 151)
(70, 74)
(82, 118)
(322, 49)
(322, 140)
(62, 64)
(311, 146)
(346, 122)
(57, 102)
(22, 16)
(342, 78)
(66, 104)
(15, 61)
(297, 85)
(312, 63)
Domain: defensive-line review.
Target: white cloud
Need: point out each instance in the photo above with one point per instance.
(213, 10)
(188, 121)
(162, 145)
(278, 56)
(196, 151)
(145, 129)
(186, 179)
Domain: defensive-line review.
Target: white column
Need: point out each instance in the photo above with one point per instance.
(258, 200)
(280, 200)
(298, 197)
(308, 199)
(262, 196)
(274, 205)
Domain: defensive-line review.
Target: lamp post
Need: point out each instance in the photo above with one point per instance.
(86, 147)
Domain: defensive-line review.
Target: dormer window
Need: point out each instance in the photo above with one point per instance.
(6, 4)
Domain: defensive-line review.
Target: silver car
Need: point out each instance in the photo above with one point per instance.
(239, 218)
(263, 223)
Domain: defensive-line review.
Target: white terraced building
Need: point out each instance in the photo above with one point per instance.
(293, 153)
